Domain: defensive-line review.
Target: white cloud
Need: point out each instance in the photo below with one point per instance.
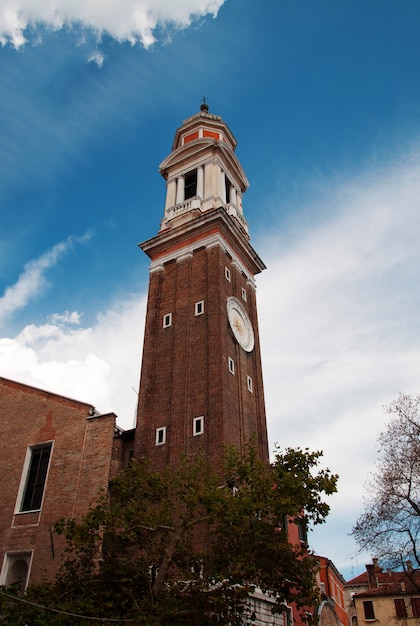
(32, 280)
(128, 20)
(340, 326)
(98, 364)
(97, 57)
(72, 318)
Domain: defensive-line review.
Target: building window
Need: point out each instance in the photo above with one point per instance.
(368, 609)
(160, 435)
(198, 425)
(15, 570)
(167, 320)
(415, 605)
(227, 189)
(302, 530)
(190, 184)
(231, 365)
(243, 294)
(400, 607)
(227, 273)
(36, 469)
(199, 307)
(249, 383)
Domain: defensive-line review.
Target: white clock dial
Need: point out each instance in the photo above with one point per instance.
(240, 324)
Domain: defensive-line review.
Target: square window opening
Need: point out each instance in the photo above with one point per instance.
(160, 435)
(198, 425)
(199, 307)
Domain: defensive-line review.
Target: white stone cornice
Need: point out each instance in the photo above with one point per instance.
(186, 251)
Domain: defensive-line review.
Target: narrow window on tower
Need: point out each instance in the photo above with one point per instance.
(34, 476)
(190, 184)
(160, 435)
(249, 384)
(227, 189)
(198, 425)
(227, 273)
(199, 307)
(243, 294)
(231, 365)
(167, 320)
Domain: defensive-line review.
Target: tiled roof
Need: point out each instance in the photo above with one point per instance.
(386, 583)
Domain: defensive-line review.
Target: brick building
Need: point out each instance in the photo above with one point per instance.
(59, 453)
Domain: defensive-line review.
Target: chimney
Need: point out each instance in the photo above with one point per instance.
(409, 566)
(372, 578)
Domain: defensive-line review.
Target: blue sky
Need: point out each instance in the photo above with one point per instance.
(324, 99)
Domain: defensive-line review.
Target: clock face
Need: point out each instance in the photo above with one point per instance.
(240, 324)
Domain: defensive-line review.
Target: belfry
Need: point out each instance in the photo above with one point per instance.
(201, 382)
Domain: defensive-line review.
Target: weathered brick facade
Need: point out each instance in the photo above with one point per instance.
(80, 463)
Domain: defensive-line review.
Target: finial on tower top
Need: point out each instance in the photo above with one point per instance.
(204, 106)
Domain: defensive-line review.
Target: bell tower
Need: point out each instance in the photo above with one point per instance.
(201, 381)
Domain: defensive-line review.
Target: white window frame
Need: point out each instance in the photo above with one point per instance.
(196, 421)
(244, 296)
(227, 274)
(8, 561)
(199, 308)
(25, 475)
(160, 431)
(167, 320)
(231, 365)
(250, 384)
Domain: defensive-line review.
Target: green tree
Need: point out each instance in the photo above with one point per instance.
(389, 528)
(186, 547)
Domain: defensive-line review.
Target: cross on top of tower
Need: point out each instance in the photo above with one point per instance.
(204, 106)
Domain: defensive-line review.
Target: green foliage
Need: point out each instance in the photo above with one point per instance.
(186, 546)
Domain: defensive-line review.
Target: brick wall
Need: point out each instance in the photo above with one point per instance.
(79, 465)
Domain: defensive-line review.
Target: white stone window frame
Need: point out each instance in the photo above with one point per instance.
(199, 308)
(244, 296)
(25, 475)
(250, 384)
(167, 320)
(160, 439)
(231, 365)
(10, 558)
(198, 425)
(228, 274)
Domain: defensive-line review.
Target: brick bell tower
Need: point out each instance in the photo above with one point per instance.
(201, 381)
